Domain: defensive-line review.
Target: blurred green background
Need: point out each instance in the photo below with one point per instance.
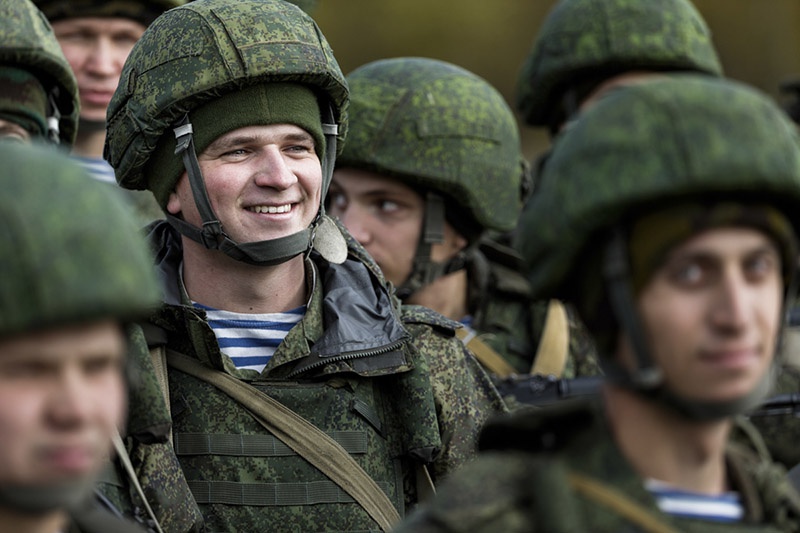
(758, 40)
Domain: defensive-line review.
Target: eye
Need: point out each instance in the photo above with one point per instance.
(688, 273)
(337, 200)
(388, 206)
(761, 266)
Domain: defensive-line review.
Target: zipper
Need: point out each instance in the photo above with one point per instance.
(352, 355)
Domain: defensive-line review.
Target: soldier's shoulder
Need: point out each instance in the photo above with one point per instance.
(424, 316)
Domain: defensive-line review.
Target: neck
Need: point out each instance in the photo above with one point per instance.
(214, 279)
(663, 445)
(89, 143)
(14, 522)
(447, 295)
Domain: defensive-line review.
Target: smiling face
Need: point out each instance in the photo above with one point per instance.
(96, 49)
(712, 313)
(62, 396)
(263, 182)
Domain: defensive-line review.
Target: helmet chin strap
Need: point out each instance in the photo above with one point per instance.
(645, 378)
(424, 270)
(212, 235)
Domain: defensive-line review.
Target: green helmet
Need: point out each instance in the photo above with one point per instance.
(682, 136)
(71, 249)
(586, 41)
(29, 44)
(441, 128)
(142, 11)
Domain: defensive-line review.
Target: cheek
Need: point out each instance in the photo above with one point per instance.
(111, 397)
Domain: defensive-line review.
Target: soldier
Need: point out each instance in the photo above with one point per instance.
(431, 164)
(38, 91)
(69, 290)
(668, 213)
(230, 113)
(586, 47)
(96, 37)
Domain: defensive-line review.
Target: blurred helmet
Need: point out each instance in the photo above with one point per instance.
(29, 44)
(71, 249)
(142, 11)
(438, 127)
(202, 51)
(582, 42)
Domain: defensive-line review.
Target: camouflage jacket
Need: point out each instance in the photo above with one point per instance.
(509, 320)
(392, 385)
(521, 483)
(92, 517)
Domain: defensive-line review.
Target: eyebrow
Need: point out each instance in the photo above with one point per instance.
(225, 143)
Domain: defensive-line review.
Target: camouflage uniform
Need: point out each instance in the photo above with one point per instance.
(445, 132)
(681, 139)
(391, 385)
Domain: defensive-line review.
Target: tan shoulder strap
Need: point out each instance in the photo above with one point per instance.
(301, 436)
(618, 502)
(158, 355)
(551, 356)
(490, 359)
(122, 454)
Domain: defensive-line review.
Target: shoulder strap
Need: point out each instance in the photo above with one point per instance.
(489, 358)
(616, 501)
(122, 453)
(551, 356)
(301, 436)
(158, 356)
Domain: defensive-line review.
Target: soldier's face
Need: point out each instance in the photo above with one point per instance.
(386, 217)
(263, 182)
(712, 313)
(62, 395)
(96, 49)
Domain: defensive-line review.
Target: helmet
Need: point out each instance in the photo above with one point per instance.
(142, 11)
(202, 51)
(439, 127)
(71, 248)
(682, 136)
(306, 5)
(29, 44)
(581, 39)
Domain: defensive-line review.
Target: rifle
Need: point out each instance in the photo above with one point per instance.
(538, 390)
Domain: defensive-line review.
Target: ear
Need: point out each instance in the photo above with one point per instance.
(174, 203)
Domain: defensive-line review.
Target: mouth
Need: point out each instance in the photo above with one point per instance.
(72, 459)
(270, 209)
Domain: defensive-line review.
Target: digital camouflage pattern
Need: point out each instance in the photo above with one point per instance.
(78, 259)
(142, 11)
(436, 126)
(200, 51)
(405, 393)
(727, 140)
(521, 483)
(581, 38)
(29, 44)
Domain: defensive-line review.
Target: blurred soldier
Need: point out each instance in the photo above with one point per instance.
(431, 163)
(585, 47)
(96, 37)
(668, 214)
(38, 91)
(266, 294)
(69, 289)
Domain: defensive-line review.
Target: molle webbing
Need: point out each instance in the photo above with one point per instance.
(353, 442)
(271, 494)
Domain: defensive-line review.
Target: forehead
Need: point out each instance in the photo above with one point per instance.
(98, 25)
(356, 180)
(67, 341)
(725, 241)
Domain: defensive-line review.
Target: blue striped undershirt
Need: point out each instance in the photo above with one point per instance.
(726, 507)
(250, 339)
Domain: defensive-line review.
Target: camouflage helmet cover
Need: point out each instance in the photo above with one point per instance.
(676, 138)
(438, 126)
(71, 249)
(142, 11)
(200, 51)
(29, 44)
(584, 37)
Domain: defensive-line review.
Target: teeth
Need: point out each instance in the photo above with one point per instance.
(272, 209)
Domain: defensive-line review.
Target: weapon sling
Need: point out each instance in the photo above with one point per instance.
(484, 353)
(551, 356)
(301, 436)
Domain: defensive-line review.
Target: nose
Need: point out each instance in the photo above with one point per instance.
(70, 402)
(273, 170)
(102, 59)
(356, 221)
(733, 303)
